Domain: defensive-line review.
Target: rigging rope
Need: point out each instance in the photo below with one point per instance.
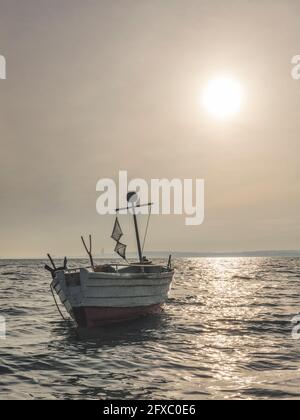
(146, 231)
(61, 314)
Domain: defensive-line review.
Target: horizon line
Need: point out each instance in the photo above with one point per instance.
(195, 254)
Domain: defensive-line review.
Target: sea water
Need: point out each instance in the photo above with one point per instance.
(226, 332)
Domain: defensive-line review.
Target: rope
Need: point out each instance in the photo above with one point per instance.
(146, 231)
(61, 314)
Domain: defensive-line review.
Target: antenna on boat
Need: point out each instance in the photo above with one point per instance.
(89, 250)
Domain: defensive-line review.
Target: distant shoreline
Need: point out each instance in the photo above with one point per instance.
(164, 254)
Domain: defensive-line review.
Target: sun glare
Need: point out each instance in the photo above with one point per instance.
(222, 97)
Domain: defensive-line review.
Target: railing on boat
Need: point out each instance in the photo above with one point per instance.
(117, 266)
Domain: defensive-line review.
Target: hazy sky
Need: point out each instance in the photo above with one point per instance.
(97, 86)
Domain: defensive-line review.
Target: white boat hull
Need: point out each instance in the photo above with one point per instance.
(94, 299)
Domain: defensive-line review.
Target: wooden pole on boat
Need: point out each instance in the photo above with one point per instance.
(170, 263)
(138, 241)
(132, 198)
(89, 250)
(51, 260)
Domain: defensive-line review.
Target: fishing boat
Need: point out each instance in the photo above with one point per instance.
(111, 293)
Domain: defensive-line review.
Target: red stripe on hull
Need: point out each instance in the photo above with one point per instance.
(97, 317)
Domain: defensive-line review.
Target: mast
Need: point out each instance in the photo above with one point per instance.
(137, 234)
(132, 198)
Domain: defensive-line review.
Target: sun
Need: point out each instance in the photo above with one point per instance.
(222, 97)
